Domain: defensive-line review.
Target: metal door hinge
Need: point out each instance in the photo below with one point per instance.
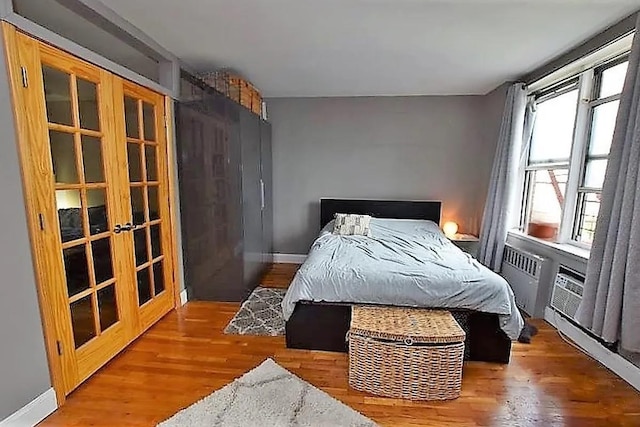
(25, 77)
(59, 346)
(41, 220)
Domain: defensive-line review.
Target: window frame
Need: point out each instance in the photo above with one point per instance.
(588, 83)
(593, 101)
(550, 92)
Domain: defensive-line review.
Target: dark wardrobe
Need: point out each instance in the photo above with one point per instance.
(225, 183)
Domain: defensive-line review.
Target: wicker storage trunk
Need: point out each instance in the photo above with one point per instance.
(405, 353)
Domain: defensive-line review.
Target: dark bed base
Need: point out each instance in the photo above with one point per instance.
(323, 326)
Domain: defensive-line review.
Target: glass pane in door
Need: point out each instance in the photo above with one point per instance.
(135, 162)
(57, 92)
(92, 159)
(76, 269)
(98, 217)
(154, 208)
(140, 246)
(88, 104)
(83, 321)
(144, 286)
(158, 277)
(149, 119)
(101, 250)
(150, 159)
(63, 155)
(137, 205)
(69, 206)
(131, 117)
(156, 241)
(107, 307)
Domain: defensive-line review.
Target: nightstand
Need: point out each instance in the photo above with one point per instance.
(467, 242)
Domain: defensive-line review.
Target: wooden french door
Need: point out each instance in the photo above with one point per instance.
(94, 158)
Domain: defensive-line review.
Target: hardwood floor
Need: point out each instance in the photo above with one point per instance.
(185, 357)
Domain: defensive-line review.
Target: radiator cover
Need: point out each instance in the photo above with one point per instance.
(522, 270)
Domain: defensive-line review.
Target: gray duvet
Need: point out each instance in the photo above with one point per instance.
(404, 263)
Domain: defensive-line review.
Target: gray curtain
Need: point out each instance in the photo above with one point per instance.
(611, 301)
(504, 175)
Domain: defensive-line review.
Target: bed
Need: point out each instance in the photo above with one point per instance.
(407, 262)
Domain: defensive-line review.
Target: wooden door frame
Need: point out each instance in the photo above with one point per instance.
(24, 133)
(174, 211)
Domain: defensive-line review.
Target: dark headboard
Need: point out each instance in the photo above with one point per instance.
(397, 209)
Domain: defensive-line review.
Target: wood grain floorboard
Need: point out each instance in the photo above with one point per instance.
(185, 357)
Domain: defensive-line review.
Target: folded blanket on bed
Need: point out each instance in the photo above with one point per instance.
(404, 263)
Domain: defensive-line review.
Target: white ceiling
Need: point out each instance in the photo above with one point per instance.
(296, 48)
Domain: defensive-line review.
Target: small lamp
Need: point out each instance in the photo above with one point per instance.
(450, 228)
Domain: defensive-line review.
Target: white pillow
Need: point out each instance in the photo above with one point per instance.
(352, 225)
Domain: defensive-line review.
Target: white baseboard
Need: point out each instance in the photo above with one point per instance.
(616, 363)
(183, 297)
(289, 258)
(33, 412)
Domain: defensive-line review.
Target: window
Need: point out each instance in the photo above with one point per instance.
(568, 154)
(603, 111)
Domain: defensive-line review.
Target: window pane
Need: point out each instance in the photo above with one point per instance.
(546, 200)
(553, 131)
(604, 122)
(594, 173)
(589, 206)
(612, 80)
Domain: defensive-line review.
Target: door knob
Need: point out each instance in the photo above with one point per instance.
(120, 228)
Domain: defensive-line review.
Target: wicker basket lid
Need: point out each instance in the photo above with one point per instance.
(409, 325)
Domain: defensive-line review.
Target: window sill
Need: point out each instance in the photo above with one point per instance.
(563, 248)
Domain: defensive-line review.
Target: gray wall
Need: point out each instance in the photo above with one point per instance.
(428, 147)
(617, 30)
(24, 373)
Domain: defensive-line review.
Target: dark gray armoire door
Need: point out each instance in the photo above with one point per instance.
(251, 198)
(267, 191)
(208, 145)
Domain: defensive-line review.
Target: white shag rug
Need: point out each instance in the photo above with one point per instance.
(268, 395)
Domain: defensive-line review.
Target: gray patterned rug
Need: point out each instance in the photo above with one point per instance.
(260, 314)
(268, 395)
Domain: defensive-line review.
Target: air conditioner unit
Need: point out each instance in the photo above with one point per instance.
(523, 270)
(568, 288)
